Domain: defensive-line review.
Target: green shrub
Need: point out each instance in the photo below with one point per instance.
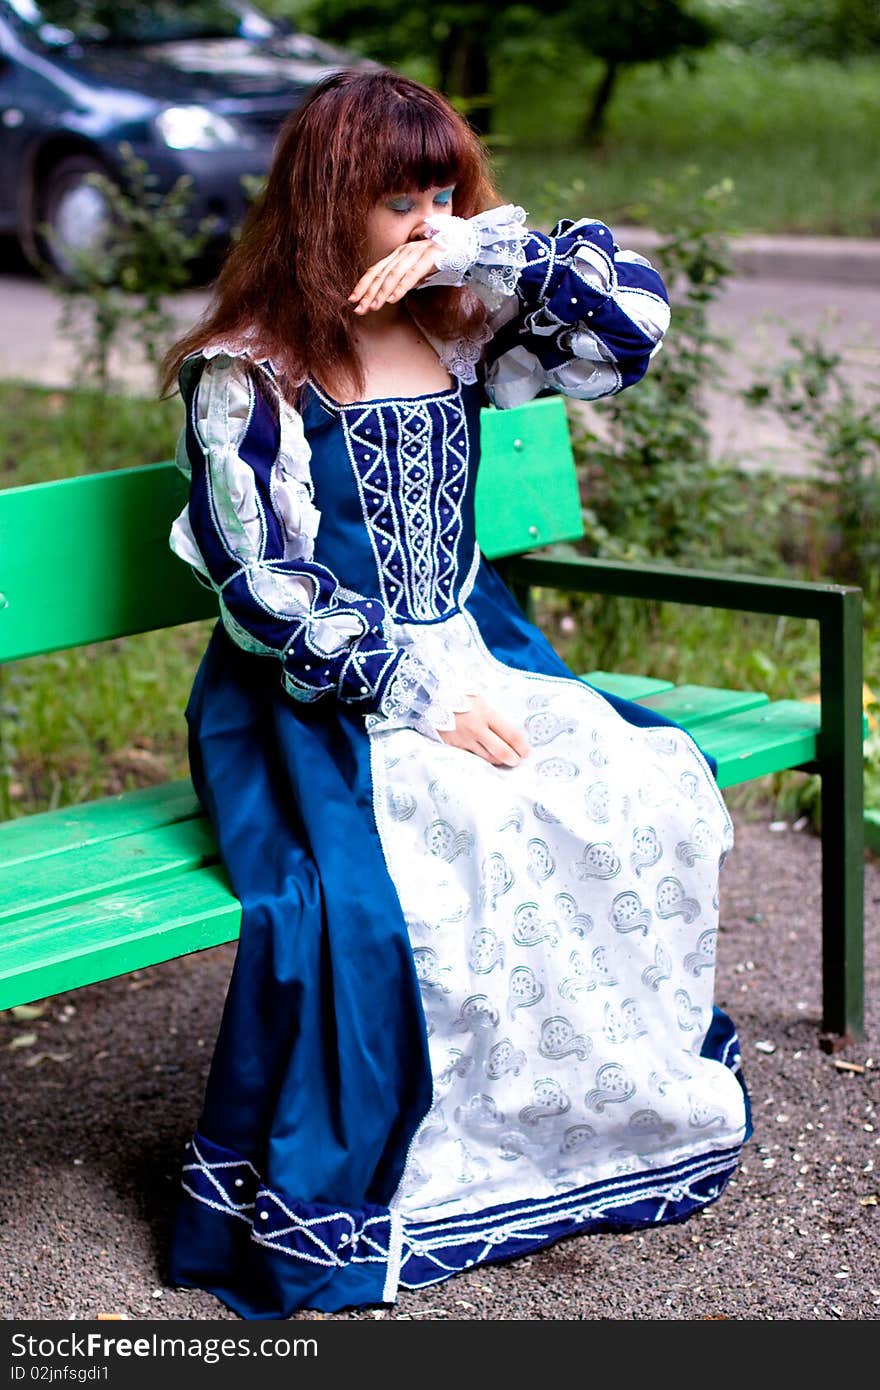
(118, 291)
(812, 394)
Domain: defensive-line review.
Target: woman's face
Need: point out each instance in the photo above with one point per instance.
(397, 218)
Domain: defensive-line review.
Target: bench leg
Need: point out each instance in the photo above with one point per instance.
(843, 866)
(520, 588)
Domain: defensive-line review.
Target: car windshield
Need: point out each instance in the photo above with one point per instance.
(142, 21)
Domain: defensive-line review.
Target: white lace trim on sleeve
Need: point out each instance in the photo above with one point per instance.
(461, 355)
(486, 251)
(419, 696)
(244, 345)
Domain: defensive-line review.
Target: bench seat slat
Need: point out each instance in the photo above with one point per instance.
(747, 734)
(118, 932)
(106, 866)
(625, 686)
(771, 738)
(696, 705)
(111, 932)
(73, 827)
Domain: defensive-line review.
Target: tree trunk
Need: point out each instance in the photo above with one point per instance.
(594, 126)
(466, 62)
(446, 61)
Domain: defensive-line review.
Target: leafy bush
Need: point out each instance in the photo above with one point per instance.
(652, 487)
(812, 394)
(118, 291)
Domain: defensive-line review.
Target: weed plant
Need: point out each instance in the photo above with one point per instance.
(812, 394)
(116, 293)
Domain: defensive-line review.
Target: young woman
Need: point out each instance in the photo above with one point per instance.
(471, 1008)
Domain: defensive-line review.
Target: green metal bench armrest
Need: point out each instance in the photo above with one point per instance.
(564, 569)
(838, 610)
(836, 607)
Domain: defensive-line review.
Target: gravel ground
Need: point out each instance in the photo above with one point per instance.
(100, 1091)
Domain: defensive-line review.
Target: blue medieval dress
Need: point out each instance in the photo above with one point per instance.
(471, 1006)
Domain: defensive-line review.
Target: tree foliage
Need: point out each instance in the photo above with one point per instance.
(624, 32)
(459, 42)
(838, 29)
(456, 42)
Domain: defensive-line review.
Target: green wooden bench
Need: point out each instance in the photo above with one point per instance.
(94, 890)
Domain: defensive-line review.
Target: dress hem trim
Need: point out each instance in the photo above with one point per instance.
(414, 1254)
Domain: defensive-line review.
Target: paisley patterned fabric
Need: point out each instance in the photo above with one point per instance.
(563, 919)
(471, 1007)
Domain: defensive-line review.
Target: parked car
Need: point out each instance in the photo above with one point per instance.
(197, 87)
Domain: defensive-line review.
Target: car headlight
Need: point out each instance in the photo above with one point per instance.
(196, 128)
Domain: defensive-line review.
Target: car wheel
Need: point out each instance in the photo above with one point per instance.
(73, 216)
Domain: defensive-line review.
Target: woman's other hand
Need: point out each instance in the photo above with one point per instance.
(482, 730)
(396, 274)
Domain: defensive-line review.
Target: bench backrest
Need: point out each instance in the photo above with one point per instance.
(87, 559)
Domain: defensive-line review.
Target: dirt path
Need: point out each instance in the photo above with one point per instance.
(97, 1108)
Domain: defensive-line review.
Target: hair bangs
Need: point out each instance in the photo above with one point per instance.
(425, 149)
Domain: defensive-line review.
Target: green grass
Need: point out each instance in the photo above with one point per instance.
(800, 140)
(49, 434)
(98, 719)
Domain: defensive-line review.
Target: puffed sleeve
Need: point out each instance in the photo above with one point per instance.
(248, 530)
(570, 311)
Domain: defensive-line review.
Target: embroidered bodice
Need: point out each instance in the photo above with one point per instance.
(334, 533)
(396, 492)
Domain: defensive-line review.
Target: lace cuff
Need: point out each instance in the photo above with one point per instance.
(487, 252)
(415, 699)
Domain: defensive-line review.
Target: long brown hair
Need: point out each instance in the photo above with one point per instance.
(284, 285)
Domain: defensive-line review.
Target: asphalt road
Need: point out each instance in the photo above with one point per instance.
(757, 314)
